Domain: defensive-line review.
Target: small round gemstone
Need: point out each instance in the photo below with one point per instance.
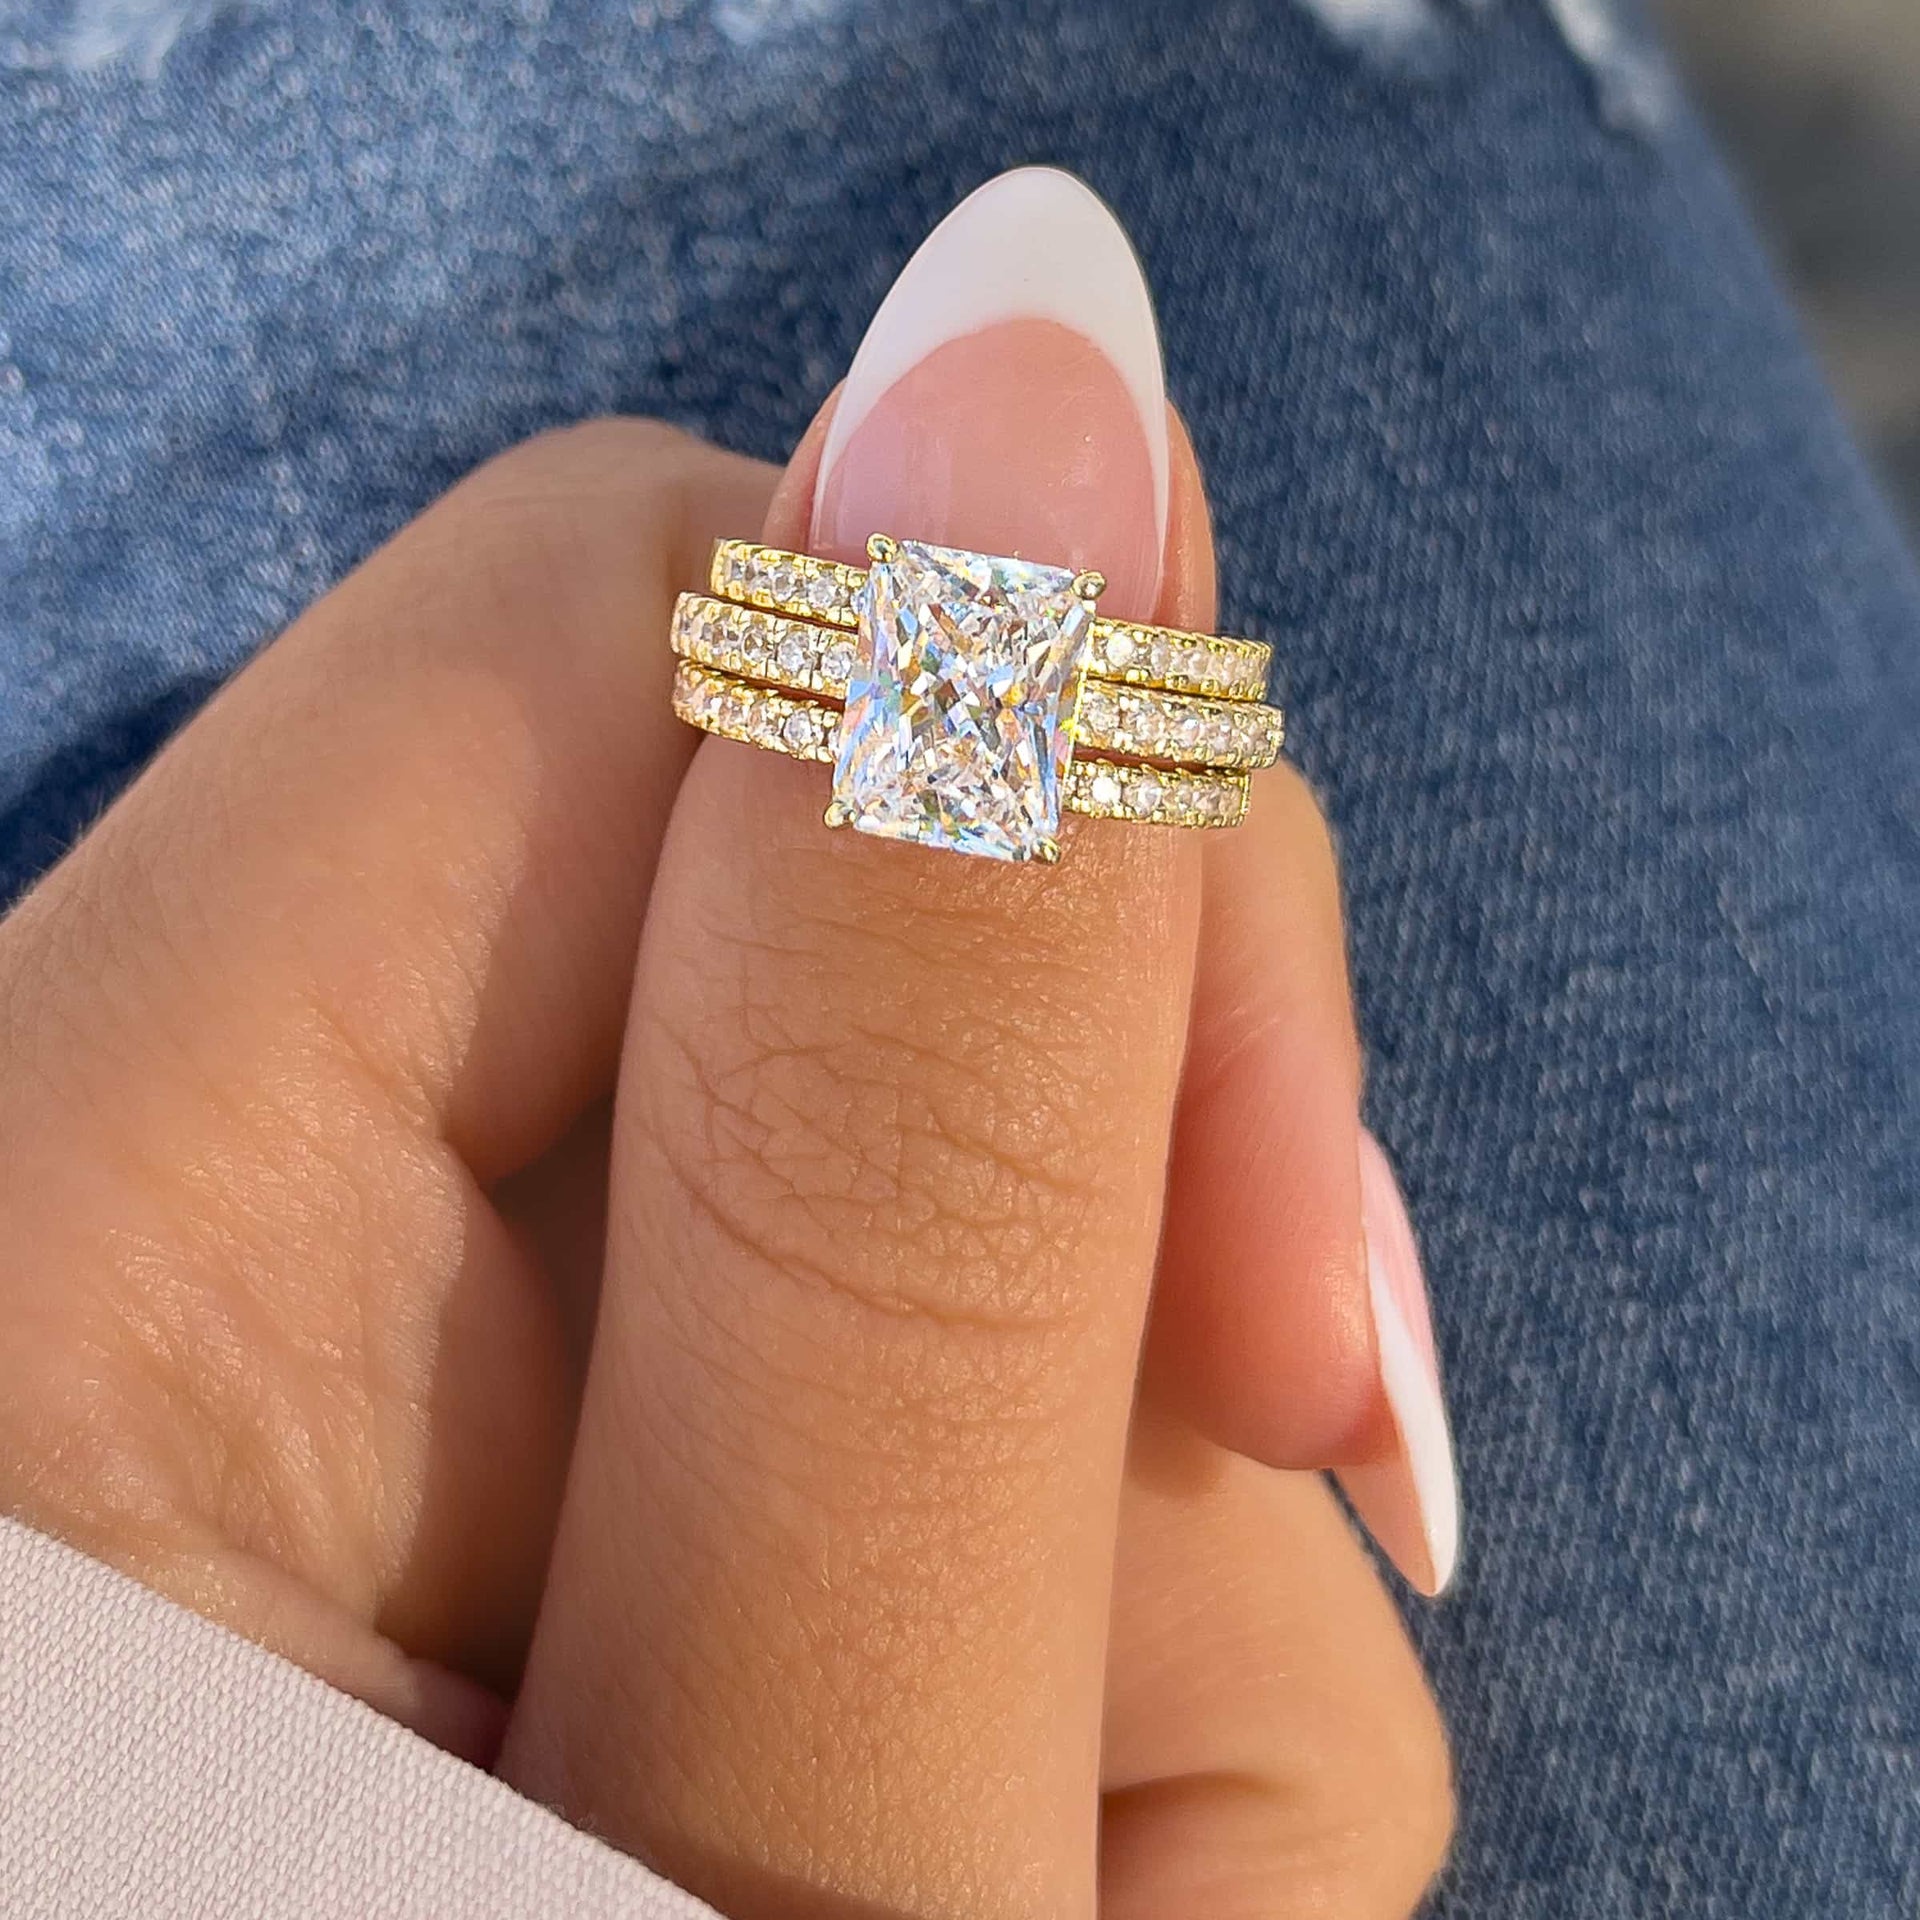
(1119, 650)
(785, 581)
(1197, 665)
(1137, 718)
(1098, 715)
(792, 656)
(1145, 793)
(1105, 790)
(802, 731)
(822, 593)
(1159, 658)
(837, 662)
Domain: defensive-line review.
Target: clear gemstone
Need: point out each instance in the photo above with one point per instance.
(1119, 650)
(837, 663)
(1097, 715)
(956, 726)
(822, 593)
(802, 730)
(1105, 790)
(792, 656)
(1145, 794)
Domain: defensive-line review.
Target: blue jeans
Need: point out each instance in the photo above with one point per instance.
(1601, 648)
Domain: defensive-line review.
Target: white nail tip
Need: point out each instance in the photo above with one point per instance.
(1033, 244)
(1413, 1393)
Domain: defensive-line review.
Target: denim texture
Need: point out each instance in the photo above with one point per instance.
(1597, 641)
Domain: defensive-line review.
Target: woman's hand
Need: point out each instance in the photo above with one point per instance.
(826, 1544)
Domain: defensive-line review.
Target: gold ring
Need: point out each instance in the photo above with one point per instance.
(964, 700)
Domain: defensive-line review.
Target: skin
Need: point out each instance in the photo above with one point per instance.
(826, 1543)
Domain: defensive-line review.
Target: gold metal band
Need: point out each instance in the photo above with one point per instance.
(808, 729)
(803, 588)
(1142, 723)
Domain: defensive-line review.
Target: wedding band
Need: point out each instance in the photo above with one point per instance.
(965, 700)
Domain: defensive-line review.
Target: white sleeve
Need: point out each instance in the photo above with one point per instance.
(158, 1767)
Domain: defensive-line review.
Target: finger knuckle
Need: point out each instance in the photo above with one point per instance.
(877, 1170)
(894, 1123)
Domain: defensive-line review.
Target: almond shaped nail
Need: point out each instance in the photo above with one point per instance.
(1410, 1501)
(1008, 397)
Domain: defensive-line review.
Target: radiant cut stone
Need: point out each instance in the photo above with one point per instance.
(956, 731)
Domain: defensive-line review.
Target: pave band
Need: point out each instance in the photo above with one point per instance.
(806, 729)
(1136, 722)
(822, 591)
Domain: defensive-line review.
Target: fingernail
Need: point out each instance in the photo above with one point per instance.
(1410, 1500)
(1008, 396)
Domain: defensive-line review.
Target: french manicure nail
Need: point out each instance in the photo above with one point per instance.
(1008, 397)
(1410, 1500)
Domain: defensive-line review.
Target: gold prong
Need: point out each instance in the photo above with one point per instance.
(1090, 583)
(837, 814)
(1048, 853)
(881, 547)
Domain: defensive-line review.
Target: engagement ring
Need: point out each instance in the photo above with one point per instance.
(963, 700)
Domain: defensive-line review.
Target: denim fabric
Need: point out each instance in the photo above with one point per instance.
(1597, 641)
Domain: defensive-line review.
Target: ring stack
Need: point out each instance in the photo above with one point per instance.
(964, 700)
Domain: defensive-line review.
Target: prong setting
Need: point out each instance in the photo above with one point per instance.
(882, 548)
(1089, 583)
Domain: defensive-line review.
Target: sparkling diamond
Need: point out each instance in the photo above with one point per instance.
(792, 656)
(837, 663)
(1119, 650)
(1105, 790)
(802, 731)
(822, 593)
(1098, 716)
(1145, 793)
(955, 732)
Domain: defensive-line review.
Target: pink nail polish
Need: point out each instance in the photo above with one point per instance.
(1410, 1501)
(1008, 396)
